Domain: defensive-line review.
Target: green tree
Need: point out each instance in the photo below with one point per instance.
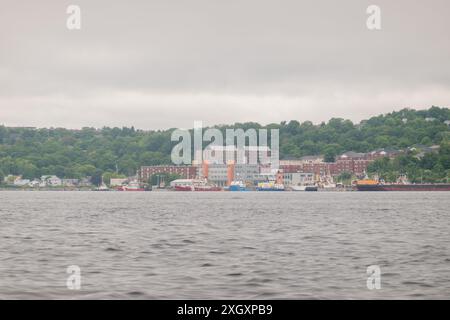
(80, 153)
(2, 176)
(344, 176)
(330, 154)
(444, 155)
(96, 178)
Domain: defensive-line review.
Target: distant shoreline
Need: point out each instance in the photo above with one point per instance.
(45, 189)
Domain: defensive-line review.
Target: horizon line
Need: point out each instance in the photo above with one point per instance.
(215, 125)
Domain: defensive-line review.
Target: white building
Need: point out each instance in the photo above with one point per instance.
(116, 182)
(35, 183)
(9, 179)
(218, 173)
(298, 178)
(50, 181)
(19, 182)
(217, 154)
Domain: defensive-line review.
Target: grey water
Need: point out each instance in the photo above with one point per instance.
(224, 245)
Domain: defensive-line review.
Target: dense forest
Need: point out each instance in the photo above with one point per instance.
(67, 153)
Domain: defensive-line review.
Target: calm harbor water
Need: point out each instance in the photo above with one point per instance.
(248, 245)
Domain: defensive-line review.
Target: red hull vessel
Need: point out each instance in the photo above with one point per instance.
(403, 187)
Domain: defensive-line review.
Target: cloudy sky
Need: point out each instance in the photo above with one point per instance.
(159, 64)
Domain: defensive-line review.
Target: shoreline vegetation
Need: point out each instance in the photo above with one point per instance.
(102, 154)
(15, 188)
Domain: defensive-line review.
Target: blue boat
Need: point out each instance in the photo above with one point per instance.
(237, 186)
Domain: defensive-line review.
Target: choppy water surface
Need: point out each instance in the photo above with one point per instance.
(249, 245)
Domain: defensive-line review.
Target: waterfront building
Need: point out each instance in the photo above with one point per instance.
(295, 171)
(50, 181)
(298, 178)
(352, 162)
(217, 154)
(35, 183)
(116, 182)
(186, 172)
(219, 173)
(19, 182)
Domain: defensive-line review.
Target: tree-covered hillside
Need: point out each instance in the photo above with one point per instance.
(86, 152)
(430, 167)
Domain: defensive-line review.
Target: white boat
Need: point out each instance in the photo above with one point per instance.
(103, 187)
(132, 186)
(329, 186)
(304, 188)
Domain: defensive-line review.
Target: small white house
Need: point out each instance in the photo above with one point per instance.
(9, 179)
(35, 183)
(50, 181)
(19, 182)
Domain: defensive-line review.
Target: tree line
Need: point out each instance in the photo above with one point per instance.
(32, 152)
(430, 167)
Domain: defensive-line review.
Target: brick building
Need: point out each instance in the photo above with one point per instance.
(185, 172)
(352, 162)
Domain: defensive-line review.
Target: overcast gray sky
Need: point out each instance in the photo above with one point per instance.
(160, 64)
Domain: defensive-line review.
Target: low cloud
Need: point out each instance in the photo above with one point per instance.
(161, 64)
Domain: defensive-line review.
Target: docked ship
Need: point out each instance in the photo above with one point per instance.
(132, 186)
(274, 182)
(304, 188)
(327, 183)
(102, 187)
(270, 186)
(194, 185)
(374, 185)
(237, 186)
